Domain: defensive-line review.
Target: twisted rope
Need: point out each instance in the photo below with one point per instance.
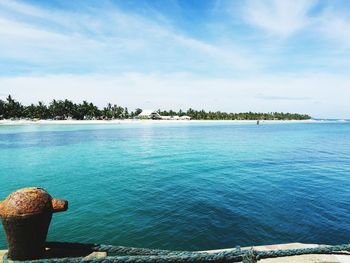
(120, 254)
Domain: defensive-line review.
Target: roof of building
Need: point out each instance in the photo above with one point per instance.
(148, 112)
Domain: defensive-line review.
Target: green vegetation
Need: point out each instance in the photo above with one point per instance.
(65, 109)
(60, 110)
(218, 115)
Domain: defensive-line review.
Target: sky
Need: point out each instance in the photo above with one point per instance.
(236, 56)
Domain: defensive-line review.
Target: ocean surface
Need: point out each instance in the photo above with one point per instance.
(190, 186)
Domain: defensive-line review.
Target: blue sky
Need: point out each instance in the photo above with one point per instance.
(246, 55)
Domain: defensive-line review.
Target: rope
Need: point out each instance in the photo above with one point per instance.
(120, 254)
(130, 254)
(114, 250)
(303, 251)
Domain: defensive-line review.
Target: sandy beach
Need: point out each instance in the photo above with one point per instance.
(135, 121)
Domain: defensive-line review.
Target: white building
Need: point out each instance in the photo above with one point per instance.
(185, 118)
(152, 114)
(149, 114)
(175, 117)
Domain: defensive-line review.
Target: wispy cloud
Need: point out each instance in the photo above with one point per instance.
(101, 39)
(260, 55)
(282, 18)
(272, 97)
(294, 93)
(334, 26)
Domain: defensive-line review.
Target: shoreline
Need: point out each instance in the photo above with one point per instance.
(135, 121)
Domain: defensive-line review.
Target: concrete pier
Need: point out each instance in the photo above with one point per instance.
(312, 258)
(62, 253)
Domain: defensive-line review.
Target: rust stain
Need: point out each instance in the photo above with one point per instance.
(59, 205)
(25, 214)
(29, 201)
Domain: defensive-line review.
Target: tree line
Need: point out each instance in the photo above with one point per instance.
(62, 109)
(218, 115)
(66, 109)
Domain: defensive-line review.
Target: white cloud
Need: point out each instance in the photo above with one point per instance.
(107, 43)
(318, 95)
(105, 37)
(278, 17)
(334, 26)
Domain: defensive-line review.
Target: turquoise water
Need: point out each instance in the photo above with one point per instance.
(189, 185)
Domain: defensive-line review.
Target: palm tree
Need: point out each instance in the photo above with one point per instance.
(41, 111)
(2, 109)
(63, 109)
(13, 109)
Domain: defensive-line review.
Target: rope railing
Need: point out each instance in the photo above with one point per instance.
(121, 254)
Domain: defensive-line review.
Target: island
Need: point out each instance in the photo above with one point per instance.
(11, 109)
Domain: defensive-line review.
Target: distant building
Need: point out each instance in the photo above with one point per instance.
(185, 118)
(59, 118)
(175, 117)
(152, 114)
(149, 114)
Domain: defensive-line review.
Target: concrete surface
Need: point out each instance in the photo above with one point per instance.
(334, 258)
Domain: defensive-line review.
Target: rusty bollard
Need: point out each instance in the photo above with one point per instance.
(26, 215)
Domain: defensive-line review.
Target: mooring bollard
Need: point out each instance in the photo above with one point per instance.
(26, 215)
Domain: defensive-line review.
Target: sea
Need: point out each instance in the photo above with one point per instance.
(186, 186)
